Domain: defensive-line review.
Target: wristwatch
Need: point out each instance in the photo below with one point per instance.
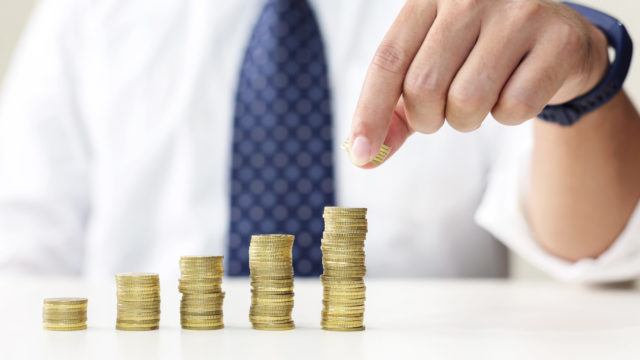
(618, 37)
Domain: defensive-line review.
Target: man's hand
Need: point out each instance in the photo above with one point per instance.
(459, 60)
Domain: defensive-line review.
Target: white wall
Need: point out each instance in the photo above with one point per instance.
(13, 14)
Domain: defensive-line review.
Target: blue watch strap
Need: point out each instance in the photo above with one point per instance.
(619, 39)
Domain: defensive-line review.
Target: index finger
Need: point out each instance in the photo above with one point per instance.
(383, 84)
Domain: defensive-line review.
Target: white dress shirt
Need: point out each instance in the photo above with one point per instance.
(115, 126)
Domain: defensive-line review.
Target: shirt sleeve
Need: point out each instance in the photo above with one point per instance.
(43, 151)
(501, 213)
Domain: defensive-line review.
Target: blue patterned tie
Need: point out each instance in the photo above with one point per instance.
(282, 160)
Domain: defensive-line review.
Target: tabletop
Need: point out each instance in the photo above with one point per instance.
(417, 319)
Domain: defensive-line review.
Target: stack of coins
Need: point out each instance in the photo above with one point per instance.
(270, 264)
(138, 301)
(342, 247)
(64, 314)
(202, 296)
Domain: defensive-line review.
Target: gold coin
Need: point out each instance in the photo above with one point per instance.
(344, 210)
(214, 325)
(381, 155)
(344, 310)
(53, 319)
(338, 328)
(136, 327)
(203, 327)
(352, 237)
(209, 306)
(64, 327)
(344, 299)
(188, 259)
(202, 316)
(137, 276)
(64, 309)
(270, 319)
(210, 296)
(138, 297)
(65, 301)
(355, 306)
(345, 251)
(286, 312)
(203, 301)
(67, 312)
(210, 320)
(341, 228)
(135, 294)
(341, 241)
(200, 282)
(274, 327)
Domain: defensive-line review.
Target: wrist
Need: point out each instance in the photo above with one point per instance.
(592, 71)
(579, 93)
(598, 60)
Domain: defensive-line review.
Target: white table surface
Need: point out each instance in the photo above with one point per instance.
(441, 319)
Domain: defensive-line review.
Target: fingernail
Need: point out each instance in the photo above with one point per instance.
(360, 151)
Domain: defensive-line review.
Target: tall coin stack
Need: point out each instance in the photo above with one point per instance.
(64, 314)
(270, 264)
(202, 296)
(138, 301)
(345, 231)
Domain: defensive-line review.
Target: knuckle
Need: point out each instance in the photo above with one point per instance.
(514, 109)
(422, 84)
(568, 37)
(463, 97)
(467, 106)
(390, 57)
(526, 10)
(424, 94)
(466, 6)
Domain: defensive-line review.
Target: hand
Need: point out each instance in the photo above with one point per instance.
(459, 60)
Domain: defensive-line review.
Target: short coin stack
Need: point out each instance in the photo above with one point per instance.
(342, 247)
(202, 296)
(270, 264)
(64, 314)
(138, 301)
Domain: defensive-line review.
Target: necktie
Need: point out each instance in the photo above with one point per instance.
(282, 160)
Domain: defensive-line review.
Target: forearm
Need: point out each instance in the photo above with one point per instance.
(585, 180)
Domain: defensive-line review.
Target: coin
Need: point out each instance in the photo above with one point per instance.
(64, 327)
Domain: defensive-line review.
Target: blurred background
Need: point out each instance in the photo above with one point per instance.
(15, 13)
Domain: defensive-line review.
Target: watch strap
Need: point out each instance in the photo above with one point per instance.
(570, 112)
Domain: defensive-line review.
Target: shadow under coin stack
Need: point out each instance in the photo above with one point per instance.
(270, 264)
(64, 314)
(345, 231)
(138, 301)
(202, 296)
